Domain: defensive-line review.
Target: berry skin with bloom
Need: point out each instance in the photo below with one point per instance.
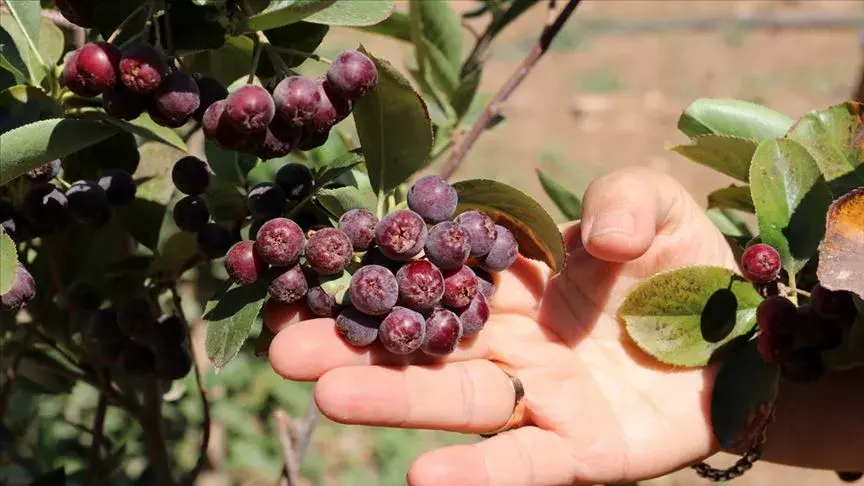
(760, 263)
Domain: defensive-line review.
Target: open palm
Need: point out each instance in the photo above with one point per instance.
(598, 409)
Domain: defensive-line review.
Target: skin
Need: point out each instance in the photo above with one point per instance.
(598, 409)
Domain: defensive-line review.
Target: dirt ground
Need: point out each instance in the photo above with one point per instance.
(605, 99)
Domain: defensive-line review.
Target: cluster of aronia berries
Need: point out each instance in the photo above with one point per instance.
(419, 278)
(298, 114)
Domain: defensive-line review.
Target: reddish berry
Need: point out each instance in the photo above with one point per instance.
(443, 332)
(121, 103)
(23, 290)
(175, 100)
(359, 225)
(760, 263)
(485, 283)
(98, 66)
(775, 348)
(401, 235)
(142, 68)
(356, 328)
(74, 80)
(297, 99)
(44, 172)
(352, 74)
(217, 128)
(433, 198)
(474, 316)
(447, 245)
(321, 303)
(332, 109)
(280, 242)
(328, 251)
(460, 286)
(373, 290)
(776, 315)
(289, 285)
(250, 108)
(504, 251)
(243, 264)
(278, 140)
(402, 331)
(481, 231)
(211, 91)
(421, 285)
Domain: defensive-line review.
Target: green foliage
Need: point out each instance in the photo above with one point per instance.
(230, 315)
(329, 12)
(8, 262)
(567, 202)
(732, 118)
(727, 154)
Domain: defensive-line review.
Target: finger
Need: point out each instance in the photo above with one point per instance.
(278, 316)
(527, 456)
(308, 349)
(625, 210)
(521, 287)
(469, 397)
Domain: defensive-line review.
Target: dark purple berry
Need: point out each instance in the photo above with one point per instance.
(289, 285)
(137, 320)
(421, 285)
(504, 251)
(170, 330)
(278, 140)
(775, 347)
(474, 316)
(313, 140)
(373, 290)
(266, 200)
(214, 240)
(481, 231)
(72, 78)
(402, 331)
(760, 263)
(217, 128)
(175, 100)
(44, 172)
(775, 315)
(250, 108)
(22, 291)
(191, 175)
(485, 283)
(460, 286)
(137, 359)
(332, 108)
(401, 235)
(831, 304)
(118, 186)
(172, 362)
(297, 99)
(447, 245)
(443, 332)
(142, 68)
(46, 208)
(98, 66)
(121, 103)
(812, 331)
(210, 91)
(359, 225)
(280, 242)
(321, 303)
(87, 201)
(356, 328)
(83, 297)
(804, 366)
(296, 180)
(78, 12)
(328, 251)
(243, 265)
(191, 214)
(433, 198)
(102, 327)
(352, 74)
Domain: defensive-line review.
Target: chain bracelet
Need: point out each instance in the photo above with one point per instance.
(742, 465)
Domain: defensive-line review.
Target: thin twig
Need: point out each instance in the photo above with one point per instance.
(291, 472)
(98, 433)
(125, 22)
(274, 56)
(12, 371)
(494, 106)
(304, 439)
(256, 56)
(151, 421)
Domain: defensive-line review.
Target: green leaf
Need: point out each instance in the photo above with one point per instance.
(35, 144)
(394, 128)
(727, 154)
(145, 128)
(463, 97)
(353, 13)
(302, 36)
(336, 167)
(22, 104)
(28, 17)
(229, 165)
(209, 30)
(728, 223)
(285, 12)
(25, 63)
(397, 26)
(834, 138)
(8, 262)
(10, 58)
(230, 316)
(743, 397)
(442, 28)
(732, 197)
(264, 172)
(338, 201)
(116, 152)
(664, 313)
(791, 200)
(567, 202)
(228, 63)
(732, 118)
(536, 232)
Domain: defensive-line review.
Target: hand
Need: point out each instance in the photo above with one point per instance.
(599, 410)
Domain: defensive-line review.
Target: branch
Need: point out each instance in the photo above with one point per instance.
(12, 372)
(151, 422)
(493, 108)
(294, 440)
(274, 56)
(98, 433)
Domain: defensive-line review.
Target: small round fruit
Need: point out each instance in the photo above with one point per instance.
(447, 245)
(136, 319)
(22, 291)
(504, 251)
(191, 214)
(359, 225)
(775, 348)
(46, 208)
(250, 108)
(121, 103)
(280, 242)
(72, 78)
(328, 251)
(102, 327)
(296, 180)
(312, 140)
(485, 283)
(760, 263)
(321, 303)
(776, 315)
(142, 68)
(78, 12)
(289, 285)
(243, 265)
(217, 128)
(356, 328)
(352, 74)
(137, 359)
(278, 140)
(175, 100)
(191, 175)
(401, 235)
(804, 367)
(831, 304)
(98, 66)
(214, 240)
(373, 290)
(474, 316)
(402, 331)
(433, 198)
(44, 172)
(811, 331)
(118, 186)
(460, 286)
(332, 109)
(87, 201)
(266, 200)
(481, 231)
(296, 99)
(210, 91)
(421, 285)
(443, 332)
(170, 330)
(83, 297)
(172, 362)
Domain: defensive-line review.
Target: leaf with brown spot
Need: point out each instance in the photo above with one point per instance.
(536, 231)
(841, 253)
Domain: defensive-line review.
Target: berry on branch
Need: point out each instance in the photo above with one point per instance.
(760, 263)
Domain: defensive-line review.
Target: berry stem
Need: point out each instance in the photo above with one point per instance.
(296, 52)
(793, 295)
(63, 183)
(256, 57)
(552, 28)
(169, 34)
(98, 434)
(274, 56)
(126, 21)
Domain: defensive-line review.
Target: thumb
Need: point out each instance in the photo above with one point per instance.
(625, 210)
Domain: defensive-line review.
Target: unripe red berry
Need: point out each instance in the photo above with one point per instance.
(321, 303)
(277, 140)
(210, 91)
(775, 348)
(421, 285)
(243, 265)
(460, 286)
(474, 316)
(332, 109)
(280, 242)
(402, 331)
(352, 74)
(98, 66)
(504, 251)
(297, 99)
(760, 263)
(356, 328)
(250, 109)
(401, 235)
(217, 128)
(481, 231)
(359, 225)
(142, 68)
(443, 332)
(433, 198)
(447, 245)
(72, 78)
(328, 251)
(289, 285)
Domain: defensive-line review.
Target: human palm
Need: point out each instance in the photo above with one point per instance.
(598, 409)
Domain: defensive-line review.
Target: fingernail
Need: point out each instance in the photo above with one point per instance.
(613, 222)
